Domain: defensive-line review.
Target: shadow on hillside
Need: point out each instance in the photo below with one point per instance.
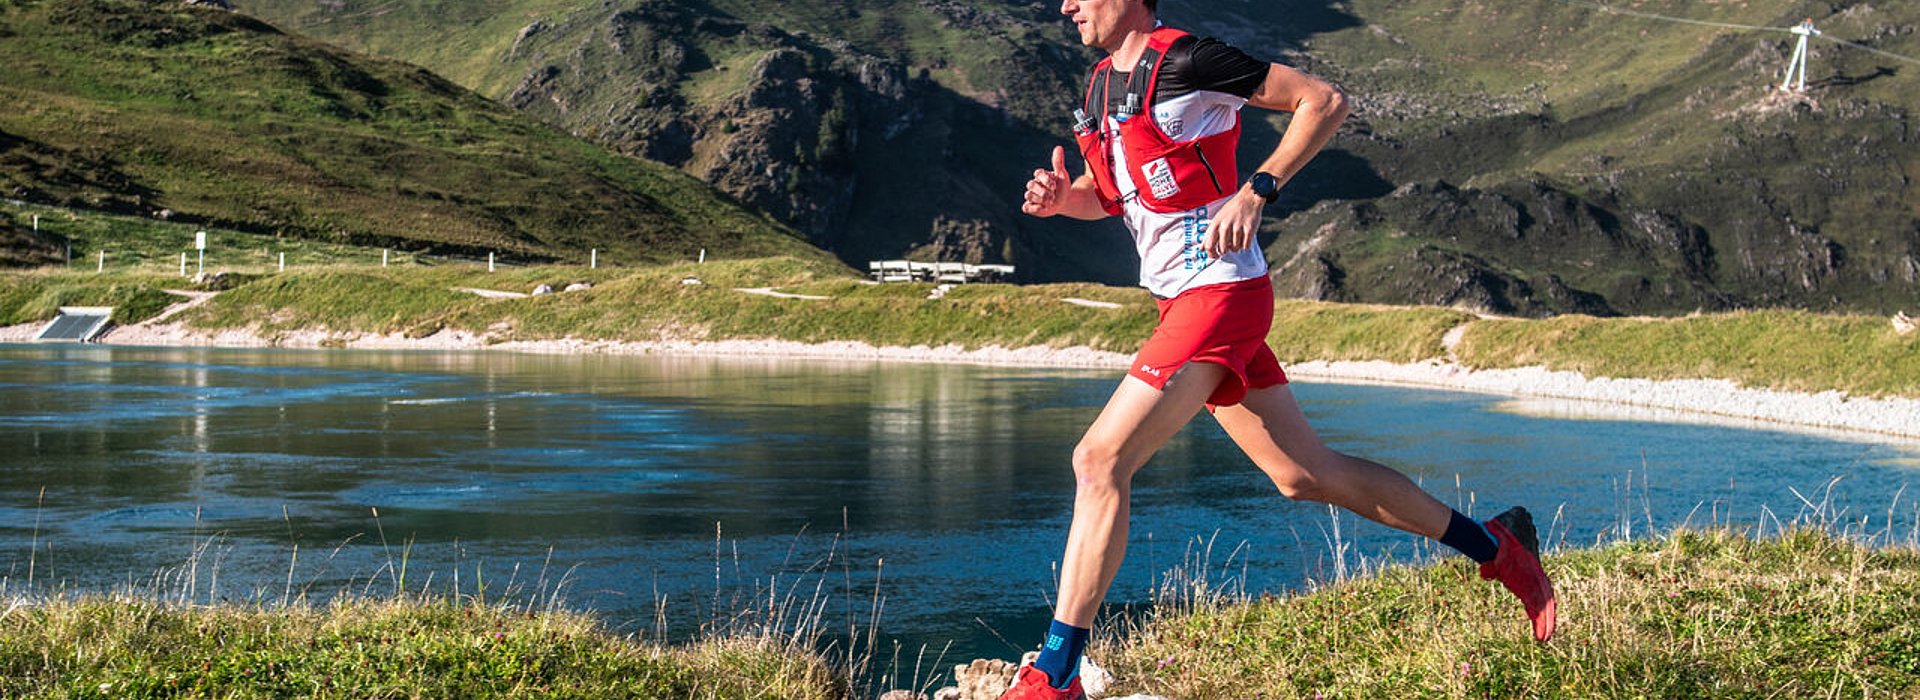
(1260, 27)
(1334, 174)
(1851, 80)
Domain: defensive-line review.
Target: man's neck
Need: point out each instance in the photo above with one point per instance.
(1134, 44)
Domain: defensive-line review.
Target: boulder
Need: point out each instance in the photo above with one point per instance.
(578, 287)
(982, 679)
(543, 289)
(986, 679)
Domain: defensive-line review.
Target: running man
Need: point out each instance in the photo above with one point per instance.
(1158, 128)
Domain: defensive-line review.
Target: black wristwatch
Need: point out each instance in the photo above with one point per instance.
(1265, 186)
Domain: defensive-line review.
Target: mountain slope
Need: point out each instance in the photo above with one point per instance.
(1537, 157)
(877, 128)
(1649, 161)
(199, 114)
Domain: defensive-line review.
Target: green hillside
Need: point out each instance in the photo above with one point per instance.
(1538, 157)
(160, 109)
(1601, 161)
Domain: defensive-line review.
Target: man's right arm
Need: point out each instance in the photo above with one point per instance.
(1054, 191)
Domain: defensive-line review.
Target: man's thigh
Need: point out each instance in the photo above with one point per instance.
(1138, 418)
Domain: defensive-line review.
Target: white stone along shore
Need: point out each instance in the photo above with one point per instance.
(1535, 390)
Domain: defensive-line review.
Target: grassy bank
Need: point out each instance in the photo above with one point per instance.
(38, 296)
(1784, 350)
(1790, 350)
(107, 647)
(1693, 615)
(1696, 614)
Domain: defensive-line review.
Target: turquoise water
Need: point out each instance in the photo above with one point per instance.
(665, 494)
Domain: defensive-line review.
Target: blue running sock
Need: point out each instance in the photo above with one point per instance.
(1470, 538)
(1060, 655)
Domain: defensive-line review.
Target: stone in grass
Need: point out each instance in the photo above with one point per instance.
(986, 679)
(543, 289)
(578, 287)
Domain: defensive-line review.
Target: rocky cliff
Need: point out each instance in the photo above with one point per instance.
(865, 153)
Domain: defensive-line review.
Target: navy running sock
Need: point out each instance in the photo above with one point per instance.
(1060, 655)
(1470, 538)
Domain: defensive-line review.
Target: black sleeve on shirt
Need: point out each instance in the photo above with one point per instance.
(1194, 64)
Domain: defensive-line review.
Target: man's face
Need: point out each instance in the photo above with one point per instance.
(1099, 21)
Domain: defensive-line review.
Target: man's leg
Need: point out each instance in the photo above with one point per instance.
(1270, 427)
(1137, 420)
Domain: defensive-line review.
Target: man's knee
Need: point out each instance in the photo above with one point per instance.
(1302, 479)
(1097, 467)
(1297, 484)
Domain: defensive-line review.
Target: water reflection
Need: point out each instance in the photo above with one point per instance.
(620, 470)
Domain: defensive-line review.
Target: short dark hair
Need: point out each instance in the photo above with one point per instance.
(1151, 5)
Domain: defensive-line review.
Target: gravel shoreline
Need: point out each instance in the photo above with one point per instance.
(1699, 400)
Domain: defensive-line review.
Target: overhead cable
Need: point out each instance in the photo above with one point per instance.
(1729, 25)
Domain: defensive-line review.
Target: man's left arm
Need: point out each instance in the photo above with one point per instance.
(1318, 108)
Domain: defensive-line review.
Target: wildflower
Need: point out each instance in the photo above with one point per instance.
(1164, 663)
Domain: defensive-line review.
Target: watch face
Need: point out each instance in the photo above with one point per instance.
(1264, 186)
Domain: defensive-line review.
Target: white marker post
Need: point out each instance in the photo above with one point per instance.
(383, 257)
(593, 261)
(200, 244)
(103, 262)
(703, 256)
(283, 262)
(36, 223)
(489, 262)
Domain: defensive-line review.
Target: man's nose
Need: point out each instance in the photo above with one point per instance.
(1068, 7)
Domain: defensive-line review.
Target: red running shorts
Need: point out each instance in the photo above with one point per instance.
(1225, 324)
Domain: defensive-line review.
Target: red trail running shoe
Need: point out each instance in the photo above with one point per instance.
(1517, 566)
(1033, 684)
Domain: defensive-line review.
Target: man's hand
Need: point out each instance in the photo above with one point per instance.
(1048, 188)
(1236, 226)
